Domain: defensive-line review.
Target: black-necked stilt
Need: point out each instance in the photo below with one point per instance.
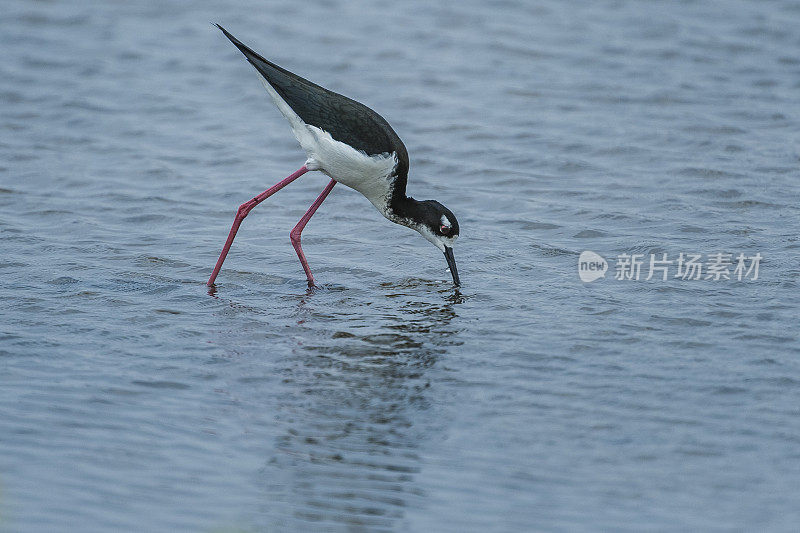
(353, 145)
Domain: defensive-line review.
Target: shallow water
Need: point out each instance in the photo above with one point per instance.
(132, 398)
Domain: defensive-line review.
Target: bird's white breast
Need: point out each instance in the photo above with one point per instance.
(368, 174)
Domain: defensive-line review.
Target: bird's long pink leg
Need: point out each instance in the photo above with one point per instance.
(294, 236)
(242, 212)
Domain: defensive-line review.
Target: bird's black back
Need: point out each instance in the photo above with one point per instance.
(346, 120)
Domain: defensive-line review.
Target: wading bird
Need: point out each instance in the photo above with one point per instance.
(354, 146)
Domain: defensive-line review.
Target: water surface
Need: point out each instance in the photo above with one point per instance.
(133, 399)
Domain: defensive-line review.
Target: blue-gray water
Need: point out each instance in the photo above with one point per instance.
(131, 399)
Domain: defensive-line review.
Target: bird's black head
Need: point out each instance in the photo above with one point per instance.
(439, 225)
(438, 220)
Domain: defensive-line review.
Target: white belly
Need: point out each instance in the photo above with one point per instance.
(368, 174)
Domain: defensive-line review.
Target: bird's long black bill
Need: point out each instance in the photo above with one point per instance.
(451, 262)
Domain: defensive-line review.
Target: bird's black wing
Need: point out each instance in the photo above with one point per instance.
(345, 119)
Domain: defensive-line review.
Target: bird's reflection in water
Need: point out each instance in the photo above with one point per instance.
(360, 406)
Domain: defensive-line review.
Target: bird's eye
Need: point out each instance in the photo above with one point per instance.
(444, 225)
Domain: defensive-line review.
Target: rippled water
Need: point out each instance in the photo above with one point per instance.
(133, 399)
